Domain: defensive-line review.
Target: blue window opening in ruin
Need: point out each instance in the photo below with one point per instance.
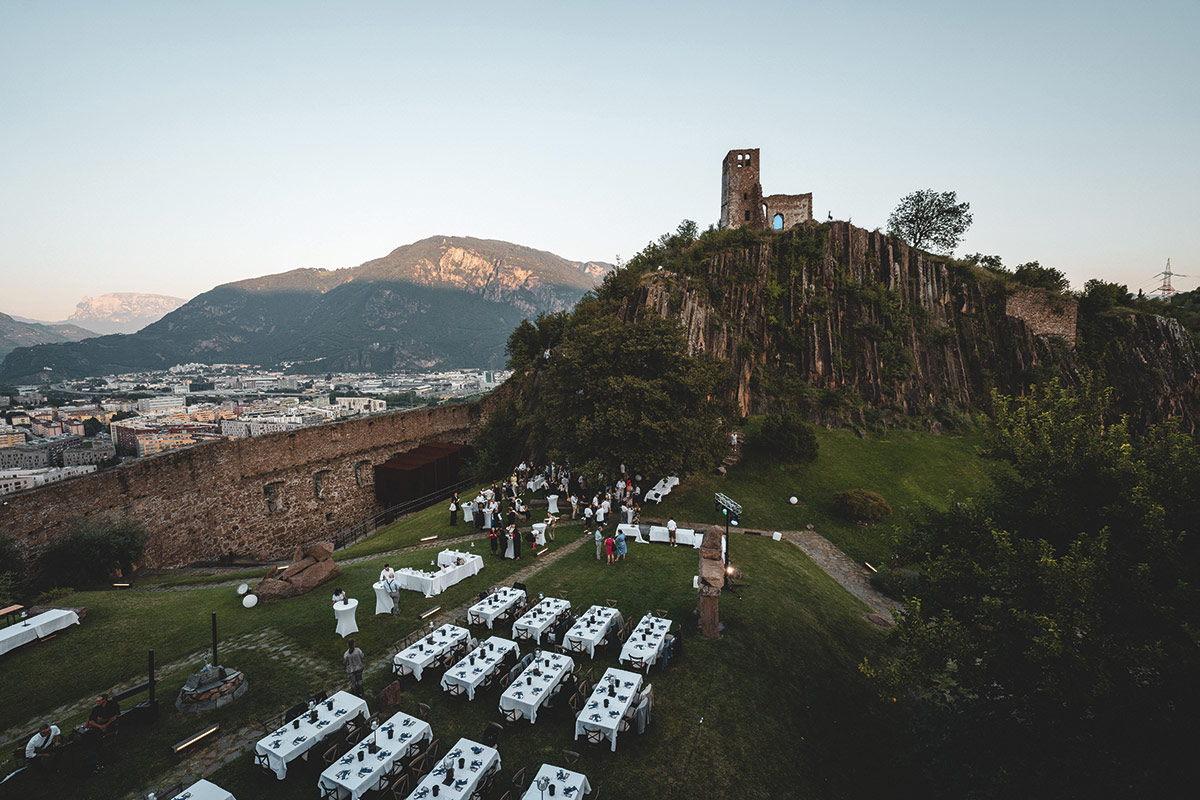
(777, 222)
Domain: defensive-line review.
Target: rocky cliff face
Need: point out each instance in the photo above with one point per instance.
(852, 324)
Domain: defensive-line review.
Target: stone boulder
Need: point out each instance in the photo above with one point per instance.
(315, 575)
(319, 551)
(296, 567)
(271, 589)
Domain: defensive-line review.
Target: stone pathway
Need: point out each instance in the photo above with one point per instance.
(232, 745)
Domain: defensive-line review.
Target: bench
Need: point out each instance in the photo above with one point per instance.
(11, 611)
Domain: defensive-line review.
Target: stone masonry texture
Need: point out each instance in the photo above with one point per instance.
(207, 501)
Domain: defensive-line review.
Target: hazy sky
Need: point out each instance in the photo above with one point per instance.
(170, 147)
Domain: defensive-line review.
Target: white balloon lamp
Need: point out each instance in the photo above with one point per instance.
(250, 600)
(793, 499)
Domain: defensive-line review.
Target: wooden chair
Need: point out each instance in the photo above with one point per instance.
(418, 767)
(271, 723)
(570, 756)
(401, 670)
(505, 680)
(260, 761)
(610, 603)
(320, 697)
(575, 704)
(329, 792)
(512, 715)
(660, 613)
(171, 791)
(433, 750)
(295, 711)
(402, 786)
(491, 734)
(520, 782)
(423, 710)
(331, 754)
(594, 736)
(638, 664)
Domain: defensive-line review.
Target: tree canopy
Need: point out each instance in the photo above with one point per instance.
(1050, 645)
(931, 220)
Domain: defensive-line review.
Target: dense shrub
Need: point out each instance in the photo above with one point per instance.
(94, 551)
(861, 505)
(788, 437)
(12, 572)
(51, 596)
(899, 583)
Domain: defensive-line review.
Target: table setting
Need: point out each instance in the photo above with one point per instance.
(529, 691)
(365, 766)
(647, 640)
(294, 739)
(498, 602)
(590, 629)
(611, 698)
(557, 782)
(434, 645)
(537, 619)
(481, 662)
(459, 773)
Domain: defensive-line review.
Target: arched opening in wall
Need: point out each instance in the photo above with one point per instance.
(362, 473)
(777, 222)
(319, 483)
(273, 493)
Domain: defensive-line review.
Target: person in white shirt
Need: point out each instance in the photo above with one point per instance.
(671, 531)
(574, 506)
(43, 748)
(338, 596)
(587, 514)
(392, 587)
(386, 572)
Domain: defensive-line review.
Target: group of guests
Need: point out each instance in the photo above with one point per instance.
(44, 748)
(612, 545)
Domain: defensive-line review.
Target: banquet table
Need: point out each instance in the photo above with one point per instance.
(590, 629)
(567, 784)
(647, 640)
(202, 790)
(422, 652)
(37, 627)
(383, 600)
(536, 483)
(595, 715)
(352, 777)
(531, 688)
(537, 619)
(433, 583)
(344, 612)
(633, 533)
(299, 736)
(478, 665)
(477, 760)
(450, 558)
(495, 604)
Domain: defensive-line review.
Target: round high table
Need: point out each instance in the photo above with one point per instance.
(383, 600)
(345, 617)
(552, 503)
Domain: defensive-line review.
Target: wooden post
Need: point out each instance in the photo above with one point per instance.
(214, 634)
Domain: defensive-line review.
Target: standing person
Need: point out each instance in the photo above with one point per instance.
(386, 572)
(42, 750)
(574, 506)
(599, 541)
(392, 587)
(493, 540)
(353, 659)
(637, 513)
(671, 531)
(454, 509)
(102, 720)
(516, 540)
(620, 540)
(610, 547)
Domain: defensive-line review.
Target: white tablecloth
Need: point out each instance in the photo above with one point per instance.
(202, 790)
(590, 629)
(539, 533)
(537, 619)
(648, 649)
(495, 604)
(291, 741)
(353, 778)
(422, 652)
(434, 583)
(533, 686)
(383, 600)
(567, 785)
(478, 761)
(552, 503)
(594, 715)
(43, 624)
(536, 483)
(661, 489)
(344, 612)
(633, 533)
(468, 509)
(449, 558)
(478, 664)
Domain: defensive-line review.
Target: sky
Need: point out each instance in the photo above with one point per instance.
(172, 147)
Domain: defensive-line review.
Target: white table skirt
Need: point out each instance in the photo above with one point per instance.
(290, 742)
(479, 761)
(594, 715)
(202, 790)
(44, 624)
(495, 604)
(353, 778)
(537, 619)
(539, 533)
(434, 583)
(591, 628)
(422, 652)
(649, 649)
(488, 658)
(383, 600)
(344, 612)
(449, 558)
(528, 691)
(468, 511)
(552, 503)
(568, 785)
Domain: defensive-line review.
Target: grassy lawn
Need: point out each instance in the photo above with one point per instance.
(906, 467)
(785, 710)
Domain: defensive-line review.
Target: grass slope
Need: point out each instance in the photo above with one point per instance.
(906, 467)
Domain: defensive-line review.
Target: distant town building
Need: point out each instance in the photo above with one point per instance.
(97, 453)
(151, 443)
(19, 479)
(362, 405)
(161, 403)
(11, 436)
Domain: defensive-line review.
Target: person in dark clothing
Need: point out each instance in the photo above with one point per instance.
(516, 539)
(454, 503)
(494, 541)
(101, 722)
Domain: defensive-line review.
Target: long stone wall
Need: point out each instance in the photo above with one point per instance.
(257, 497)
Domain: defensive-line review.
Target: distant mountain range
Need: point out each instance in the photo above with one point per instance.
(441, 302)
(15, 332)
(117, 312)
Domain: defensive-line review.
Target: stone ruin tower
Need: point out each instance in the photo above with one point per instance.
(742, 201)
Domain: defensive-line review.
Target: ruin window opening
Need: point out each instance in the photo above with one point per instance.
(747, 215)
(362, 472)
(273, 494)
(777, 222)
(319, 483)
(745, 195)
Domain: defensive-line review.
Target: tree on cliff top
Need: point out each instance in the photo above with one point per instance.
(931, 220)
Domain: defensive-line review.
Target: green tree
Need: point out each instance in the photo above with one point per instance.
(787, 437)
(1034, 274)
(931, 220)
(94, 550)
(1049, 647)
